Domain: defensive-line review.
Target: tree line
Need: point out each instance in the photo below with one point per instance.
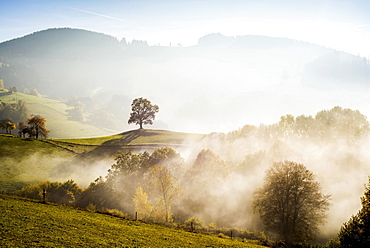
(156, 185)
(290, 202)
(12, 113)
(160, 187)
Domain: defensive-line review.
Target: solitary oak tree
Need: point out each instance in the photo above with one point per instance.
(290, 203)
(143, 112)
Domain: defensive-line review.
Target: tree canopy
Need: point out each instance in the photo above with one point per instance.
(290, 203)
(15, 112)
(356, 232)
(143, 112)
(36, 127)
(164, 186)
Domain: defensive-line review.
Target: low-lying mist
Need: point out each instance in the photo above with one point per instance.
(219, 173)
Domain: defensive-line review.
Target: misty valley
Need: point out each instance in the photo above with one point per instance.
(71, 101)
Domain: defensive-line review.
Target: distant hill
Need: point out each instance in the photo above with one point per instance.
(188, 83)
(64, 61)
(61, 43)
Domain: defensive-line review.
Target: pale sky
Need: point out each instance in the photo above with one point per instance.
(341, 24)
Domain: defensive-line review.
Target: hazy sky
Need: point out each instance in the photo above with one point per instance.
(339, 24)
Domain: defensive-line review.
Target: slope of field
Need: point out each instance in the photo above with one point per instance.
(27, 160)
(134, 140)
(26, 223)
(56, 116)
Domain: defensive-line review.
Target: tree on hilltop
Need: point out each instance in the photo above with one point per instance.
(290, 203)
(143, 112)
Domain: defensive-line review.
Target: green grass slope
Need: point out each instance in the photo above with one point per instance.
(55, 112)
(25, 161)
(135, 140)
(28, 223)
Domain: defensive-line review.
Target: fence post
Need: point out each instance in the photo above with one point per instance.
(44, 195)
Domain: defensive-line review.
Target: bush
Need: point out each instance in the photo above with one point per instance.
(91, 207)
(64, 193)
(194, 223)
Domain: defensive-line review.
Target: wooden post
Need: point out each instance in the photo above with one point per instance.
(192, 226)
(44, 195)
(136, 216)
(231, 234)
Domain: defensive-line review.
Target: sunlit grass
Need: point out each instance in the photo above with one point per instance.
(26, 223)
(26, 160)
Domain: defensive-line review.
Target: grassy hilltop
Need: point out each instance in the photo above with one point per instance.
(26, 161)
(27, 223)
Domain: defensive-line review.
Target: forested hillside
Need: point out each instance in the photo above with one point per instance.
(100, 75)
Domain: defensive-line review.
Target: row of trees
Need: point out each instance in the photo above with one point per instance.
(326, 125)
(35, 129)
(12, 113)
(157, 185)
(290, 202)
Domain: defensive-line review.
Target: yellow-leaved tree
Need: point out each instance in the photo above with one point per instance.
(164, 189)
(143, 207)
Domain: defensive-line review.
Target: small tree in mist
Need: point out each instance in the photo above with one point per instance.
(9, 127)
(143, 112)
(142, 204)
(99, 195)
(356, 232)
(164, 187)
(290, 203)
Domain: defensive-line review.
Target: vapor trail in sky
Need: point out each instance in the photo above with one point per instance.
(97, 14)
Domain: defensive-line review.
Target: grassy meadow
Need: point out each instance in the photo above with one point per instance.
(29, 223)
(55, 113)
(25, 161)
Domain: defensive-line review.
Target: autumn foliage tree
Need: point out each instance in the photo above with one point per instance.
(36, 127)
(10, 126)
(143, 112)
(290, 203)
(143, 206)
(164, 187)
